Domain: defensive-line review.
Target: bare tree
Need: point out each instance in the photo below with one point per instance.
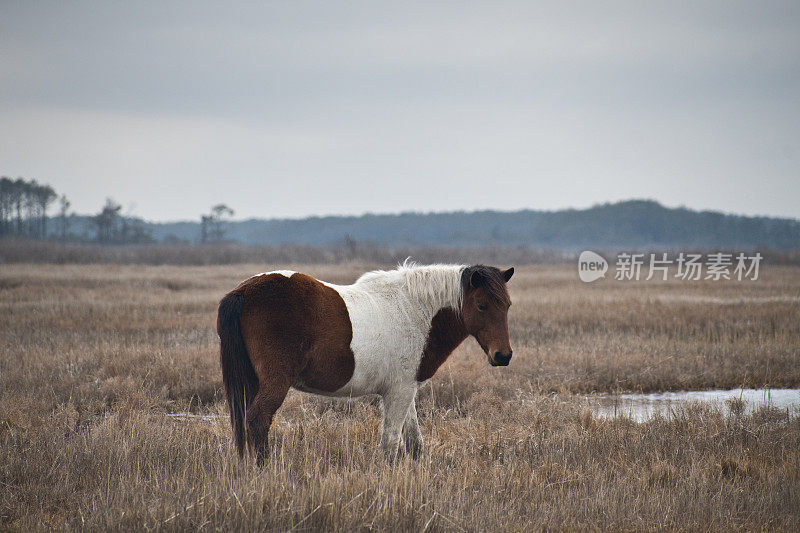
(205, 227)
(44, 196)
(219, 212)
(107, 222)
(6, 206)
(63, 205)
(18, 200)
(212, 226)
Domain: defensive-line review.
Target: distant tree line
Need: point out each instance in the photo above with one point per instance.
(26, 213)
(23, 208)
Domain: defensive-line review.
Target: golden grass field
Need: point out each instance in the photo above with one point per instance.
(96, 358)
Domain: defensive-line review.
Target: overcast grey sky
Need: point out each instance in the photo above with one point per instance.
(299, 108)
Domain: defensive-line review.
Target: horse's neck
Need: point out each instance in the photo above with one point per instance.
(431, 289)
(446, 333)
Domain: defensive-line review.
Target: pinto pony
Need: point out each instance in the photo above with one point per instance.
(386, 334)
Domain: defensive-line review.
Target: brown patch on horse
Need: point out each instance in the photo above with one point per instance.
(447, 332)
(275, 331)
(483, 314)
(297, 328)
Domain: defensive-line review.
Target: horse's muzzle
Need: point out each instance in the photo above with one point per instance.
(501, 359)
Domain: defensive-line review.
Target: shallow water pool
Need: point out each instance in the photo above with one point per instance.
(643, 407)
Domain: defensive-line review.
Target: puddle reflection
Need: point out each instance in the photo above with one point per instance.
(643, 407)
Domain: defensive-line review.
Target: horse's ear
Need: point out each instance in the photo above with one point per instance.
(476, 279)
(508, 273)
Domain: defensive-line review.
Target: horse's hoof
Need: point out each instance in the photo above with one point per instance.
(415, 450)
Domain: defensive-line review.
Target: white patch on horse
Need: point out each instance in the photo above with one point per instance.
(391, 314)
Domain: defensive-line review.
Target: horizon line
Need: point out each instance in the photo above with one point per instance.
(456, 211)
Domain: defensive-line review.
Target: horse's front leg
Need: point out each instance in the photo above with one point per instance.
(412, 437)
(396, 405)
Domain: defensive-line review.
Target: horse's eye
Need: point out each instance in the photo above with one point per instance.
(481, 307)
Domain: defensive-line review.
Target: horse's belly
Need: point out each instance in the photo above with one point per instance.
(359, 385)
(302, 386)
(386, 345)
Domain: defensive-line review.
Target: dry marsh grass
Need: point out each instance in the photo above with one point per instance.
(95, 358)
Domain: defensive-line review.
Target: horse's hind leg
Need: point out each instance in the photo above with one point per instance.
(412, 437)
(270, 396)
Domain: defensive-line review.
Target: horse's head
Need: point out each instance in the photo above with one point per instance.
(484, 309)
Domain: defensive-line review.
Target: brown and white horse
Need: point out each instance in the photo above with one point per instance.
(386, 334)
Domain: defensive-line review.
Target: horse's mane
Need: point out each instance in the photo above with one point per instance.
(432, 285)
(493, 282)
(440, 283)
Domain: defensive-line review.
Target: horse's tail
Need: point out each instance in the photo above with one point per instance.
(238, 375)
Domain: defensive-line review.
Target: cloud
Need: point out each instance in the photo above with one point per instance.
(302, 107)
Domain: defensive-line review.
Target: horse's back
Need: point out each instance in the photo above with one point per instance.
(298, 328)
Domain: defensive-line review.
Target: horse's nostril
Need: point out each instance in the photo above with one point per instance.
(502, 359)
